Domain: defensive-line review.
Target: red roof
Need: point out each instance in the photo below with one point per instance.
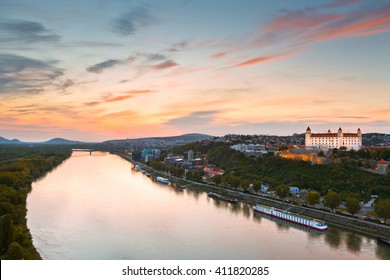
(334, 135)
(382, 161)
(324, 135)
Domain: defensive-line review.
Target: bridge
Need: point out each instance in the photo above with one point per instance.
(84, 150)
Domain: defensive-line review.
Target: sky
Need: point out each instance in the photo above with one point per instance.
(95, 70)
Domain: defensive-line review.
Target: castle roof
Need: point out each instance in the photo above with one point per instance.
(308, 129)
(334, 135)
(324, 135)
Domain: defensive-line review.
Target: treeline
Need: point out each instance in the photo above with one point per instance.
(176, 171)
(19, 167)
(274, 170)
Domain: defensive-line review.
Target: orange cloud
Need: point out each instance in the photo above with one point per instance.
(142, 91)
(118, 98)
(263, 59)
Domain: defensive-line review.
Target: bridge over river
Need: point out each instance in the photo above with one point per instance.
(84, 150)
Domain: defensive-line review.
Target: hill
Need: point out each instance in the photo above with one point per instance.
(186, 137)
(6, 141)
(61, 141)
(160, 141)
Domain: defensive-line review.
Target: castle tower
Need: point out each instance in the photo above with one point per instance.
(308, 137)
(359, 133)
(340, 139)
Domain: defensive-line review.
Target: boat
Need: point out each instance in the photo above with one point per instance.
(162, 180)
(222, 197)
(383, 240)
(137, 168)
(285, 223)
(291, 217)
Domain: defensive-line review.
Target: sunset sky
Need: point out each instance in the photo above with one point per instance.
(96, 70)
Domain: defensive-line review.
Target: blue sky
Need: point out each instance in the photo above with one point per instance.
(98, 70)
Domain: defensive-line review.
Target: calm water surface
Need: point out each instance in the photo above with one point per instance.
(94, 207)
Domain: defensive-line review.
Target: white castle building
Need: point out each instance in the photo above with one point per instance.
(333, 140)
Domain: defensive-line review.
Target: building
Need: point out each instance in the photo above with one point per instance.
(331, 140)
(305, 155)
(190, 155)
(212, 171)
(148, 155)
(382, 167)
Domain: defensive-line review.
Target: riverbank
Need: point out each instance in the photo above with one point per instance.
(354, 224)
(20, 167)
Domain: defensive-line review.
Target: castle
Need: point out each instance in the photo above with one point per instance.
(333, 140)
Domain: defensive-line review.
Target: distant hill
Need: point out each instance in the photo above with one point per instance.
(6, 141)
(190, 137)
(61, 141)
(186, 137)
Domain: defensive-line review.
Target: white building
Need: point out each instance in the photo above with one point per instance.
(331, 140)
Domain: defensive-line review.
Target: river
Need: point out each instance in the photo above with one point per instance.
(94, 207)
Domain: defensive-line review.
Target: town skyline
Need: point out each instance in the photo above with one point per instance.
(99, 70)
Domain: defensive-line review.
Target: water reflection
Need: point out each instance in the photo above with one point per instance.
(99, 209)
(354, 242)
(247, 210)
(382, 251)
(333, 237)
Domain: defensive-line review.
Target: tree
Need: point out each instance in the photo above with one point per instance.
(7, 232)
(256, 185)
(217, 179)
(282, 191)
(234, 181)
(14, 252)
(321, 154)
(313, 197)
(332, 200)
(353, 205)
(382, 208)
(245, 184)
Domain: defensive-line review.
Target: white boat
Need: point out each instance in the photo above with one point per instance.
(137, 168)
(292, 217)
(162, 180)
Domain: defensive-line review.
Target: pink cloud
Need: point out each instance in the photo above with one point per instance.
(263, 59)
(165, 65)
(311, 25)
(218, 55)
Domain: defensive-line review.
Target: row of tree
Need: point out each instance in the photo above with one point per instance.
(19, 167)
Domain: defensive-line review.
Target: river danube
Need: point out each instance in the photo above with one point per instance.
(95, 207)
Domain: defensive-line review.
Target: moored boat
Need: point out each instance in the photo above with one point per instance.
(162, 180)
(222, 197)
(137, 168)
(292, 217)
(383, 240)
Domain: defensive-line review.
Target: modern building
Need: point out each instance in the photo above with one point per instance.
(331, 140)
(190, 155)
(148, 154)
